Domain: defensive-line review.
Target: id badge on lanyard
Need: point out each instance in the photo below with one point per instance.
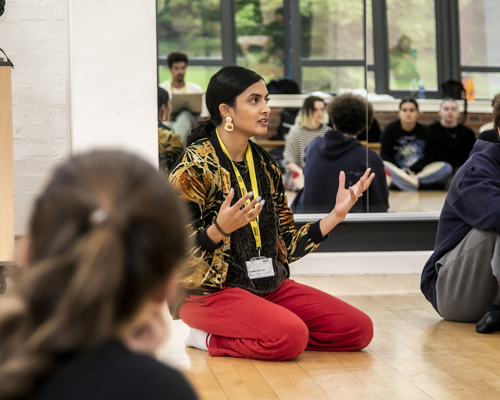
(257, 267)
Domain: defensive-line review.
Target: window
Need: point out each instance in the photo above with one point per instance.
(260, 37)
(321, 45)
(412, 44)
(479, 38)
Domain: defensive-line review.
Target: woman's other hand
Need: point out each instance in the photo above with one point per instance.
(346, 198)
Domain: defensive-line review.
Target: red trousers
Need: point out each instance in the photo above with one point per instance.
(279, 325)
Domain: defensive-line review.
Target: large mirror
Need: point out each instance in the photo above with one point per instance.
(381, 49)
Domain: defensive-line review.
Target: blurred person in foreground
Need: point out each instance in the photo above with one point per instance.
(88, 312)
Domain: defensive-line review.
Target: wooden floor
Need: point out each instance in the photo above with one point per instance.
(414, 354)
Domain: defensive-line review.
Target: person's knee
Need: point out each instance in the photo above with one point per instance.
(362, 331)
(293, 340)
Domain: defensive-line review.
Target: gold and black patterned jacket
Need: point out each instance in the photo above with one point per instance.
(169, 147)
(202, 178)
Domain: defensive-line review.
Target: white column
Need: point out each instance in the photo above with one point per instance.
(112, 76)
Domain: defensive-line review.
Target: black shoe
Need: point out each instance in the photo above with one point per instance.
(491, 320)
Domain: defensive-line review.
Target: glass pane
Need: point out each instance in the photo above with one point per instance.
(192, 27)
(412, 44)
(332, 79)
(370, 82)
(485, 85)
(370, 57)
(479, 34)
(332, 29)
(195, 73)
(260, 37)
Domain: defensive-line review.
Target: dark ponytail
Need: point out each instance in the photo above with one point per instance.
(201, 130)
(223, 88)
(105, 232)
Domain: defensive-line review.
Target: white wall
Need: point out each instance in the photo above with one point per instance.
(84, 77)
(113, 90)
(33, 34)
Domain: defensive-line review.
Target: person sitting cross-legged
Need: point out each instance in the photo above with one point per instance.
(461, 278)
(407, 151)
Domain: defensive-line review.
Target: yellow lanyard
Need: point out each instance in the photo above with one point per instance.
(253, 179)
(172, 88)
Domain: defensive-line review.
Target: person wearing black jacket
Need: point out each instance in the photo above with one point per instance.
(453, 141)
(407, 151)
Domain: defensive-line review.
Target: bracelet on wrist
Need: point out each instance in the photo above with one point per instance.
(223, 233)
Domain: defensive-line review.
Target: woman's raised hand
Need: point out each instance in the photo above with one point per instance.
(231, 218)
(346, 198)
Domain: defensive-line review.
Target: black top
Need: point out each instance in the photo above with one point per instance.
(452, 145)
(404, 149)
(490, 135)
(111, 371)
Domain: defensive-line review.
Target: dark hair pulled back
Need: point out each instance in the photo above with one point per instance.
(105, 232)
(223, 88)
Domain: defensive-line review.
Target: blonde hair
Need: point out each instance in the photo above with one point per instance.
(305, 117)
(105, 232)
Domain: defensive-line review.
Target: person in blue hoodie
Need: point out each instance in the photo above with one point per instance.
(461, 278)
(339, 150)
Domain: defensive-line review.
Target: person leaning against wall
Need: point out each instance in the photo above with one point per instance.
(235, 291)
(88, 310)
(461, 278)
(407, 149)
(339, 150)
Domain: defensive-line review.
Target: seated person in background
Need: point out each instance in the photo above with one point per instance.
(105, 238)
(407, 147)
(489, 131)
(374, 133)
(461, 278)
(452, 141)
(185, 120)
(310, 123)
(339, 150)
(169, 144)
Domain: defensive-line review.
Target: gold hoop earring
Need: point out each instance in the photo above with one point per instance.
(229, 124)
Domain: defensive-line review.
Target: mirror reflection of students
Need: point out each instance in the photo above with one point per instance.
(407, 151)
(339, 150)
(453, 141)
